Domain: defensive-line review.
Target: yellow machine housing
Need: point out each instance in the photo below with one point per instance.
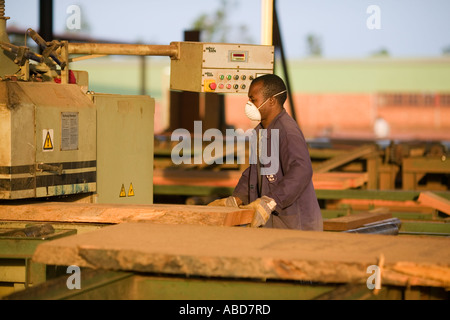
(125, 140)
(47, 140)
(57, 140)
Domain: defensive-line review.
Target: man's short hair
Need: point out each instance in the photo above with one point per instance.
(272, 84)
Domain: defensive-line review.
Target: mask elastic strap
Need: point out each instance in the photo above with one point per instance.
(280, 93)
(271, 97)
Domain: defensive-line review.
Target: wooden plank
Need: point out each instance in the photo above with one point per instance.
(230, 178)
(255, 253)
(395, 195)
(356, 220)
(344, 158)
(112, 214)
(434, 201)
(425, 165)
(373, 162)
(394, 206)
(339, 180)
(325, 153)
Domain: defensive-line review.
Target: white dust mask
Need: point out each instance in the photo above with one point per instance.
(252, 112)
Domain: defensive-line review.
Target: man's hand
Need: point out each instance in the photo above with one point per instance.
(263, 207)
(226, 202)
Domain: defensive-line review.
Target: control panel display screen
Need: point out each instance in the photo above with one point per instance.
(238, 56)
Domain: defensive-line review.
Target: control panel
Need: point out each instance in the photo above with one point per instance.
(219, 67)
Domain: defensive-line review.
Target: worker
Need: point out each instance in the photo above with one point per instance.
(285, 198)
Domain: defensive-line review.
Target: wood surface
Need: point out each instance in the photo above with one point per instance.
(434, 201)
(256, 253)
(230, 178)
(342, 159)
(356, 220)
(111, 214)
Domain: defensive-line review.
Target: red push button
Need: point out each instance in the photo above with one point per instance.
(213, 86)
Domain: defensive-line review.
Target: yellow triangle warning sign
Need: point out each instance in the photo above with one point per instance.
(122, 192)
(131, 191)
(48, 144)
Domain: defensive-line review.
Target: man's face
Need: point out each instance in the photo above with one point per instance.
(255, 95)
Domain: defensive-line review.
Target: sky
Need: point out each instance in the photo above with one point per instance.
(406, 28)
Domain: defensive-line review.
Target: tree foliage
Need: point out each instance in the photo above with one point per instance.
(314, 45)
(215, 27)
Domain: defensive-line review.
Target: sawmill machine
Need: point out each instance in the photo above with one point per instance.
(62, 142)
(58, 138)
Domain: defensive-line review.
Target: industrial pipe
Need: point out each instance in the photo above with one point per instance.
(124, 49)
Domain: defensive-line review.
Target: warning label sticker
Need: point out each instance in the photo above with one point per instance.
(123, 193)
(131, 191)
(47, 137)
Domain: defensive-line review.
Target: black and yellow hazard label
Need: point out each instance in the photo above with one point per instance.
(122, 192)
(48, 143)
(131, 191)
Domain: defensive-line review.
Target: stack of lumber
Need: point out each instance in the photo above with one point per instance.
(426, 202)
(345, 158)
